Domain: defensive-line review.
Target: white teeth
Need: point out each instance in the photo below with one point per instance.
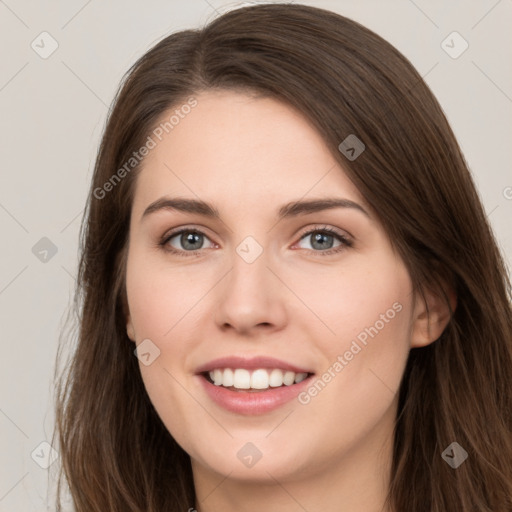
(259, 379)
(217, 377)
(300, 377)
(228, 377)
(241, 378)
(289, 378)
(276, 378)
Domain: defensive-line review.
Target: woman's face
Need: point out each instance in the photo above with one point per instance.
(264, 279)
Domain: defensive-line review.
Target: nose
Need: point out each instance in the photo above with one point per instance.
(250, 299)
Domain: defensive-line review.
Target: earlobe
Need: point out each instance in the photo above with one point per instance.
(130, 331)
(431, 316)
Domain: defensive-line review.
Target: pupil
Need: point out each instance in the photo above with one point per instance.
(318, 239)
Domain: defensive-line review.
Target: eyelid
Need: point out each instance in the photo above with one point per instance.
(345, 235)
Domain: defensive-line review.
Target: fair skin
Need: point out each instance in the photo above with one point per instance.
(248, 157)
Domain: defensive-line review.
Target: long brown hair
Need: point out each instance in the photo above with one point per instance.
(116, 453)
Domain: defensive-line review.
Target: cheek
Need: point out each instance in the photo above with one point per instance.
(166, 305)
(366, 315)
(159, 298)
(370, 314)
(159, 308)
(351, 299)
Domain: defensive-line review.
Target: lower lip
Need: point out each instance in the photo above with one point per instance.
(252, 402)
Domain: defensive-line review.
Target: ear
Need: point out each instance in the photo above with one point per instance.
(130, 331)
(432, 312)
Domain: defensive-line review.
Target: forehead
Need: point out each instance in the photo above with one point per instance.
(234, 149)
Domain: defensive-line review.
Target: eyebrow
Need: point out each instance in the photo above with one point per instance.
(292, 209)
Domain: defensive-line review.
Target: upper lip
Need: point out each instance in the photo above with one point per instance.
(252, 363)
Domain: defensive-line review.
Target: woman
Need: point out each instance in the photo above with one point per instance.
(289, 295)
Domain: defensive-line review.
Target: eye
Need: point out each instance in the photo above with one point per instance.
(190, 242)
(185, 241)
(322, 240)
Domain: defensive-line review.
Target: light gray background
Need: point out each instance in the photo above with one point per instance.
(53, 113)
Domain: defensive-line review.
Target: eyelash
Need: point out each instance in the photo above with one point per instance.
(345, 241)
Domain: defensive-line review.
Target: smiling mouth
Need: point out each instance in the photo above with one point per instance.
(245, 381)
